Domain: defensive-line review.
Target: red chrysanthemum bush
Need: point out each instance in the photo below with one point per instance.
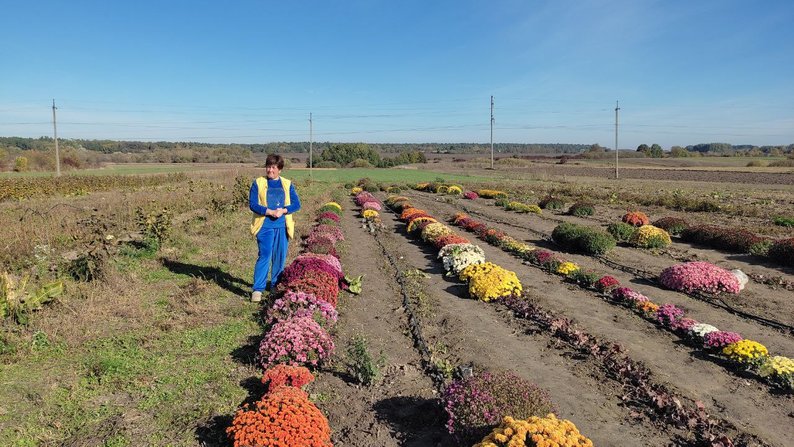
(300, 266)
(287, 375)
(450, 239)
(322, 246)
(284, 417)
(323, 285)
(782, 251)
(699, 276)
(636, 218)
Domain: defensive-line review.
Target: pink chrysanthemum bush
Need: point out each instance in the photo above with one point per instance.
(298, 341)
(299, 304)
(364, 197)
(371, 205)
(471, 195)
(477, 404)
(720, 339)
(699, 276)
(328, 259)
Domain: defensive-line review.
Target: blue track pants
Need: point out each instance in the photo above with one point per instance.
(272, 250)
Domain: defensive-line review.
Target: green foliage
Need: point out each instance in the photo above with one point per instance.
(782, 251)
(678, 152)
(18, 298)
(582, 209)
(154, 225)
(621, 231)
(327, 164)
(783, 221)
(522, 207)
(583, 239)
(585, 278)
(347, 153)
(242, 187)
(360, 163)
(672, 225)
(502, 201)
(551, 203)
(761, 248)
(361, 363)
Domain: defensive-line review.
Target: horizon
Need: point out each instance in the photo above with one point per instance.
(376, 72)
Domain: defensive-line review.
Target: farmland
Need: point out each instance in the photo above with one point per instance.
(151, 339)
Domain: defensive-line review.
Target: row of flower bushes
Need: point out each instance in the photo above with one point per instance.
(737, 240)
(688, 277)
(439, 188)
(298, 316)
(634, 376)
(479, 403)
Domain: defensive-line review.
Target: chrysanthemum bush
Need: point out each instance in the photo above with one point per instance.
(535, 432)
(636, 218)
(370, 214)
(364, 197)
(779, 370)
(300, 304)
(606, 283)
(284, 417)
(649, 236)
(583, 239)
(455, 189)
(457, 257)
(782, 252)
(332, 232)
(408, 212)
(287, 375)
(567, 268)
(672, 225)
(434, 231)
(700, 330)
(471, 195)
(449, 239)
(551, 203)
(746, 352)
(621, 231)
(298, 341)
(582, 209)
(324, 286)
(491, 193)
(699, 276)
(489, 281)
(720, 339)
(372, 205)
(475, 404)
(520, 207)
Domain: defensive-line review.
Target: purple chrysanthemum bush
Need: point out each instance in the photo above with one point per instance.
(699, 276)
(477, 404)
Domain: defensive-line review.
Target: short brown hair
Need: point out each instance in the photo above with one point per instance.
(275, 160)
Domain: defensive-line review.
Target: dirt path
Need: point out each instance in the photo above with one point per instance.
(747, 404)
(400, 408)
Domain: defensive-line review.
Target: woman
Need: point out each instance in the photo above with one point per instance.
(273, 200)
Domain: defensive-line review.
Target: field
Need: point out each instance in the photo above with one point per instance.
(152, 340)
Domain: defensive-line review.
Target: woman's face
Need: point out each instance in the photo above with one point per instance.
(272, 172)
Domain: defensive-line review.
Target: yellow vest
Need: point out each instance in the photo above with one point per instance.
(259, 219)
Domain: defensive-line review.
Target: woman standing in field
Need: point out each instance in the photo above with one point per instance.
(273, 200)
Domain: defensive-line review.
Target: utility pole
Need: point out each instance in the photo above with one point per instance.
(617, 107)
(55, 133)
(491, 131)
(311, 162)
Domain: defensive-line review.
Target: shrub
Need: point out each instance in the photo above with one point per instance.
(286, 375)
(298, 341)
(782, 251)
(699, 276)
(474, 405)
(491, 194)
(606, 283)
(779, 370)
(502, 201)
(322, 285)
(648, 236)
(621, 231)
(551, 203)
(582, 209)
(784, 221)
(636, 218)
(583, 239)
(672, 225)
(299, 304)
(471, 195)
(535, 432)
(327, 164)
(284, 416)
(746, 352)
(596, 242)
(585, 278)
(523, 207)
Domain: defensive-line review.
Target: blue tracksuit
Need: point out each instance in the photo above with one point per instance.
(272, 237)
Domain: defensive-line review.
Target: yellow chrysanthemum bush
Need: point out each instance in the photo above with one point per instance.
(355, 190)
(779, 370)
(515, 246)
(491, 193)
(434, 231)
(419, 223)
(488, 281)
(566, 268)
(455, 189)
(535, 432)
(334, 204)
(648, 236)
(370, 214)
(746, 352)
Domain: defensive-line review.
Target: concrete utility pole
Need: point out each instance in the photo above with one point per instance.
(55, 133)
(311, 162)
(617, 107)
(491, 131)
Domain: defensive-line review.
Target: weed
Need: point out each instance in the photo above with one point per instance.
(361, 364)
(445, 367)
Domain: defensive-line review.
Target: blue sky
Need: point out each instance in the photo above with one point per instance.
(685, 72)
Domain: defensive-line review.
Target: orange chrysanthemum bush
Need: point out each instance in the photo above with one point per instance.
(287, 375)
(636, 218)
(284, 417)
(535, 432)
(408, 212)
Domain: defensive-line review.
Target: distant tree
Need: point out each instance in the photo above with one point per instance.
(655, 151)
(21, 164)
(346, 153)
(643, 148)
(678, 152)
(596, 148)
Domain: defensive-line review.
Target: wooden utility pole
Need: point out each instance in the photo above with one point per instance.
(617, 107)
(311, 162)
(55, 134)
(491, 131)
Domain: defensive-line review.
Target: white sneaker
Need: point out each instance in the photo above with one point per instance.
(256, 297)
